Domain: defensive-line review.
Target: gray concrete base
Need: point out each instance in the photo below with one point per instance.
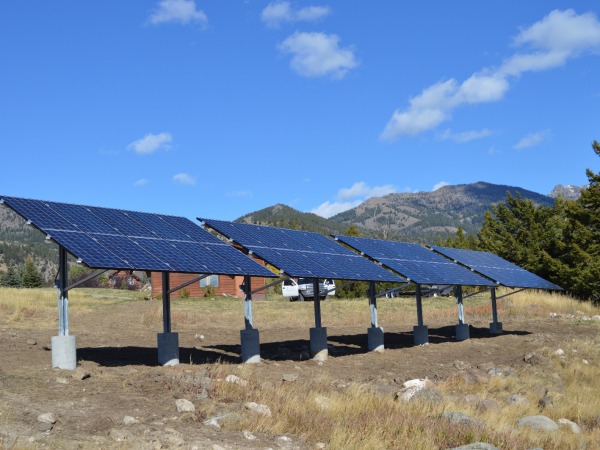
(421, 334)
(250, 346)
(462, 332)
(496, 327)
(168, 349)
(64, 352)
(375, 339)
(318, 343)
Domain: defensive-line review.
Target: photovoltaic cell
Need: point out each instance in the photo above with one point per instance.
(301, 253)
(104, 238)
(496, 268)
(415, 262)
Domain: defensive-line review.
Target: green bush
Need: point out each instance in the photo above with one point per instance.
(184, 293)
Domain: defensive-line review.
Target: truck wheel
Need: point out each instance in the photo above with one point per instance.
(300, 297)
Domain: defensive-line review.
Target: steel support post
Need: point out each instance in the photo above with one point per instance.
(495, 326)
(168, 342)
(420, 332)
(462, 329)
(318, 334)
(249, 336)
(375, 332)
(64, 347)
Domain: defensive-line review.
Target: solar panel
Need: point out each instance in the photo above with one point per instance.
(301, 253)
(415, 262)
(104, 238)
(496, 268)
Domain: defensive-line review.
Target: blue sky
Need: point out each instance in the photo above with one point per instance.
(217, 109)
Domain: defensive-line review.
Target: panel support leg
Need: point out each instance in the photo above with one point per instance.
(420, 332)
(168, 342)
(495, 326)
(318, 334)
(64, 348)
(249, 336)
(462, 329)
(375, 332)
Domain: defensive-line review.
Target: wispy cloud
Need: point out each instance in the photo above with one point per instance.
(240, 194)
(532, 139)
(151, 143)
(440, 185)
(184, 178)
(141, 182)
(318, 54)
(464, 136)
(178, 11)
(276, 13)
(550, 43)
(348, 198)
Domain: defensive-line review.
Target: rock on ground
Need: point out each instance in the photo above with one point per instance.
(184, 405)
(462, 418)
(476, 446)
(566, 423)
(47, 418)
(262, 410)
(540, 423)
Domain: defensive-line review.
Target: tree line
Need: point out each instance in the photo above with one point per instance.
(23, 276)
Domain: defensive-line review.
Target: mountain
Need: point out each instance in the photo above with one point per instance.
(416, 217)
(423, 216)
(285, 217)
(568, 192)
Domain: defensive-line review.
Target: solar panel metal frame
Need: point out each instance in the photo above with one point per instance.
(415, 262)
(496, 268)
(155, 243)
(299, 253)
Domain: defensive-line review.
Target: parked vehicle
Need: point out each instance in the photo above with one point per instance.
(302, 289)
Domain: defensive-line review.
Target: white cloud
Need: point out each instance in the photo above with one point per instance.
(141, 182)
(532, 139)
(151, 143)
(348, 198)
(184, 178)
(276, 13)
(559, 36)
(318, 54)
(178, 11)
(328, 209)
(360, 189)
(465, 136)
(440, 185)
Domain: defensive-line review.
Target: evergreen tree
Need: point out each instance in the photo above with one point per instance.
(11, 278)
(32, 278)
(352, 230)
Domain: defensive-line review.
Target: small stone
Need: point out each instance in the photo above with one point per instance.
(476, 376)
(284, 439)
(486, 367)
(62, 380)
(47, 348)
(489, 404)
(495, 372)
(235, 380)
(215, 422)
(540, 423)
(31, 342)
(460, 365)
(462, 419)
(585, 361)
(559, 352)
(184, 405)
(249, 436)
(262, 410)
(129, 420)
(566, 423)
(199, 337)
(476, 446)
(42, 426)
(47, 418)
(320, 445)
(117, 435)
(290, 377)
(532, 359)
(596, 317)
(517, 399)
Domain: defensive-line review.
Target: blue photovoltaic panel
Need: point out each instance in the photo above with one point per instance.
(301, 253)
(496, 268)
(415, 262)
(104, 238)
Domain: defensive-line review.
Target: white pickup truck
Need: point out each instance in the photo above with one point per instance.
(302, 288)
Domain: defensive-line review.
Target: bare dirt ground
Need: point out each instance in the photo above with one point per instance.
(119, 353)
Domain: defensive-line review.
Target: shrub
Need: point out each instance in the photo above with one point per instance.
(184, 293)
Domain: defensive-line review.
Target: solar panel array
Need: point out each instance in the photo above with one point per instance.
(415, 262)
(106, 238)
(496, 268)
(302, 253)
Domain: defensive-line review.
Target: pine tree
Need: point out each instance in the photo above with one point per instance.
(11, 278)
(352, 230)
(32, 278)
